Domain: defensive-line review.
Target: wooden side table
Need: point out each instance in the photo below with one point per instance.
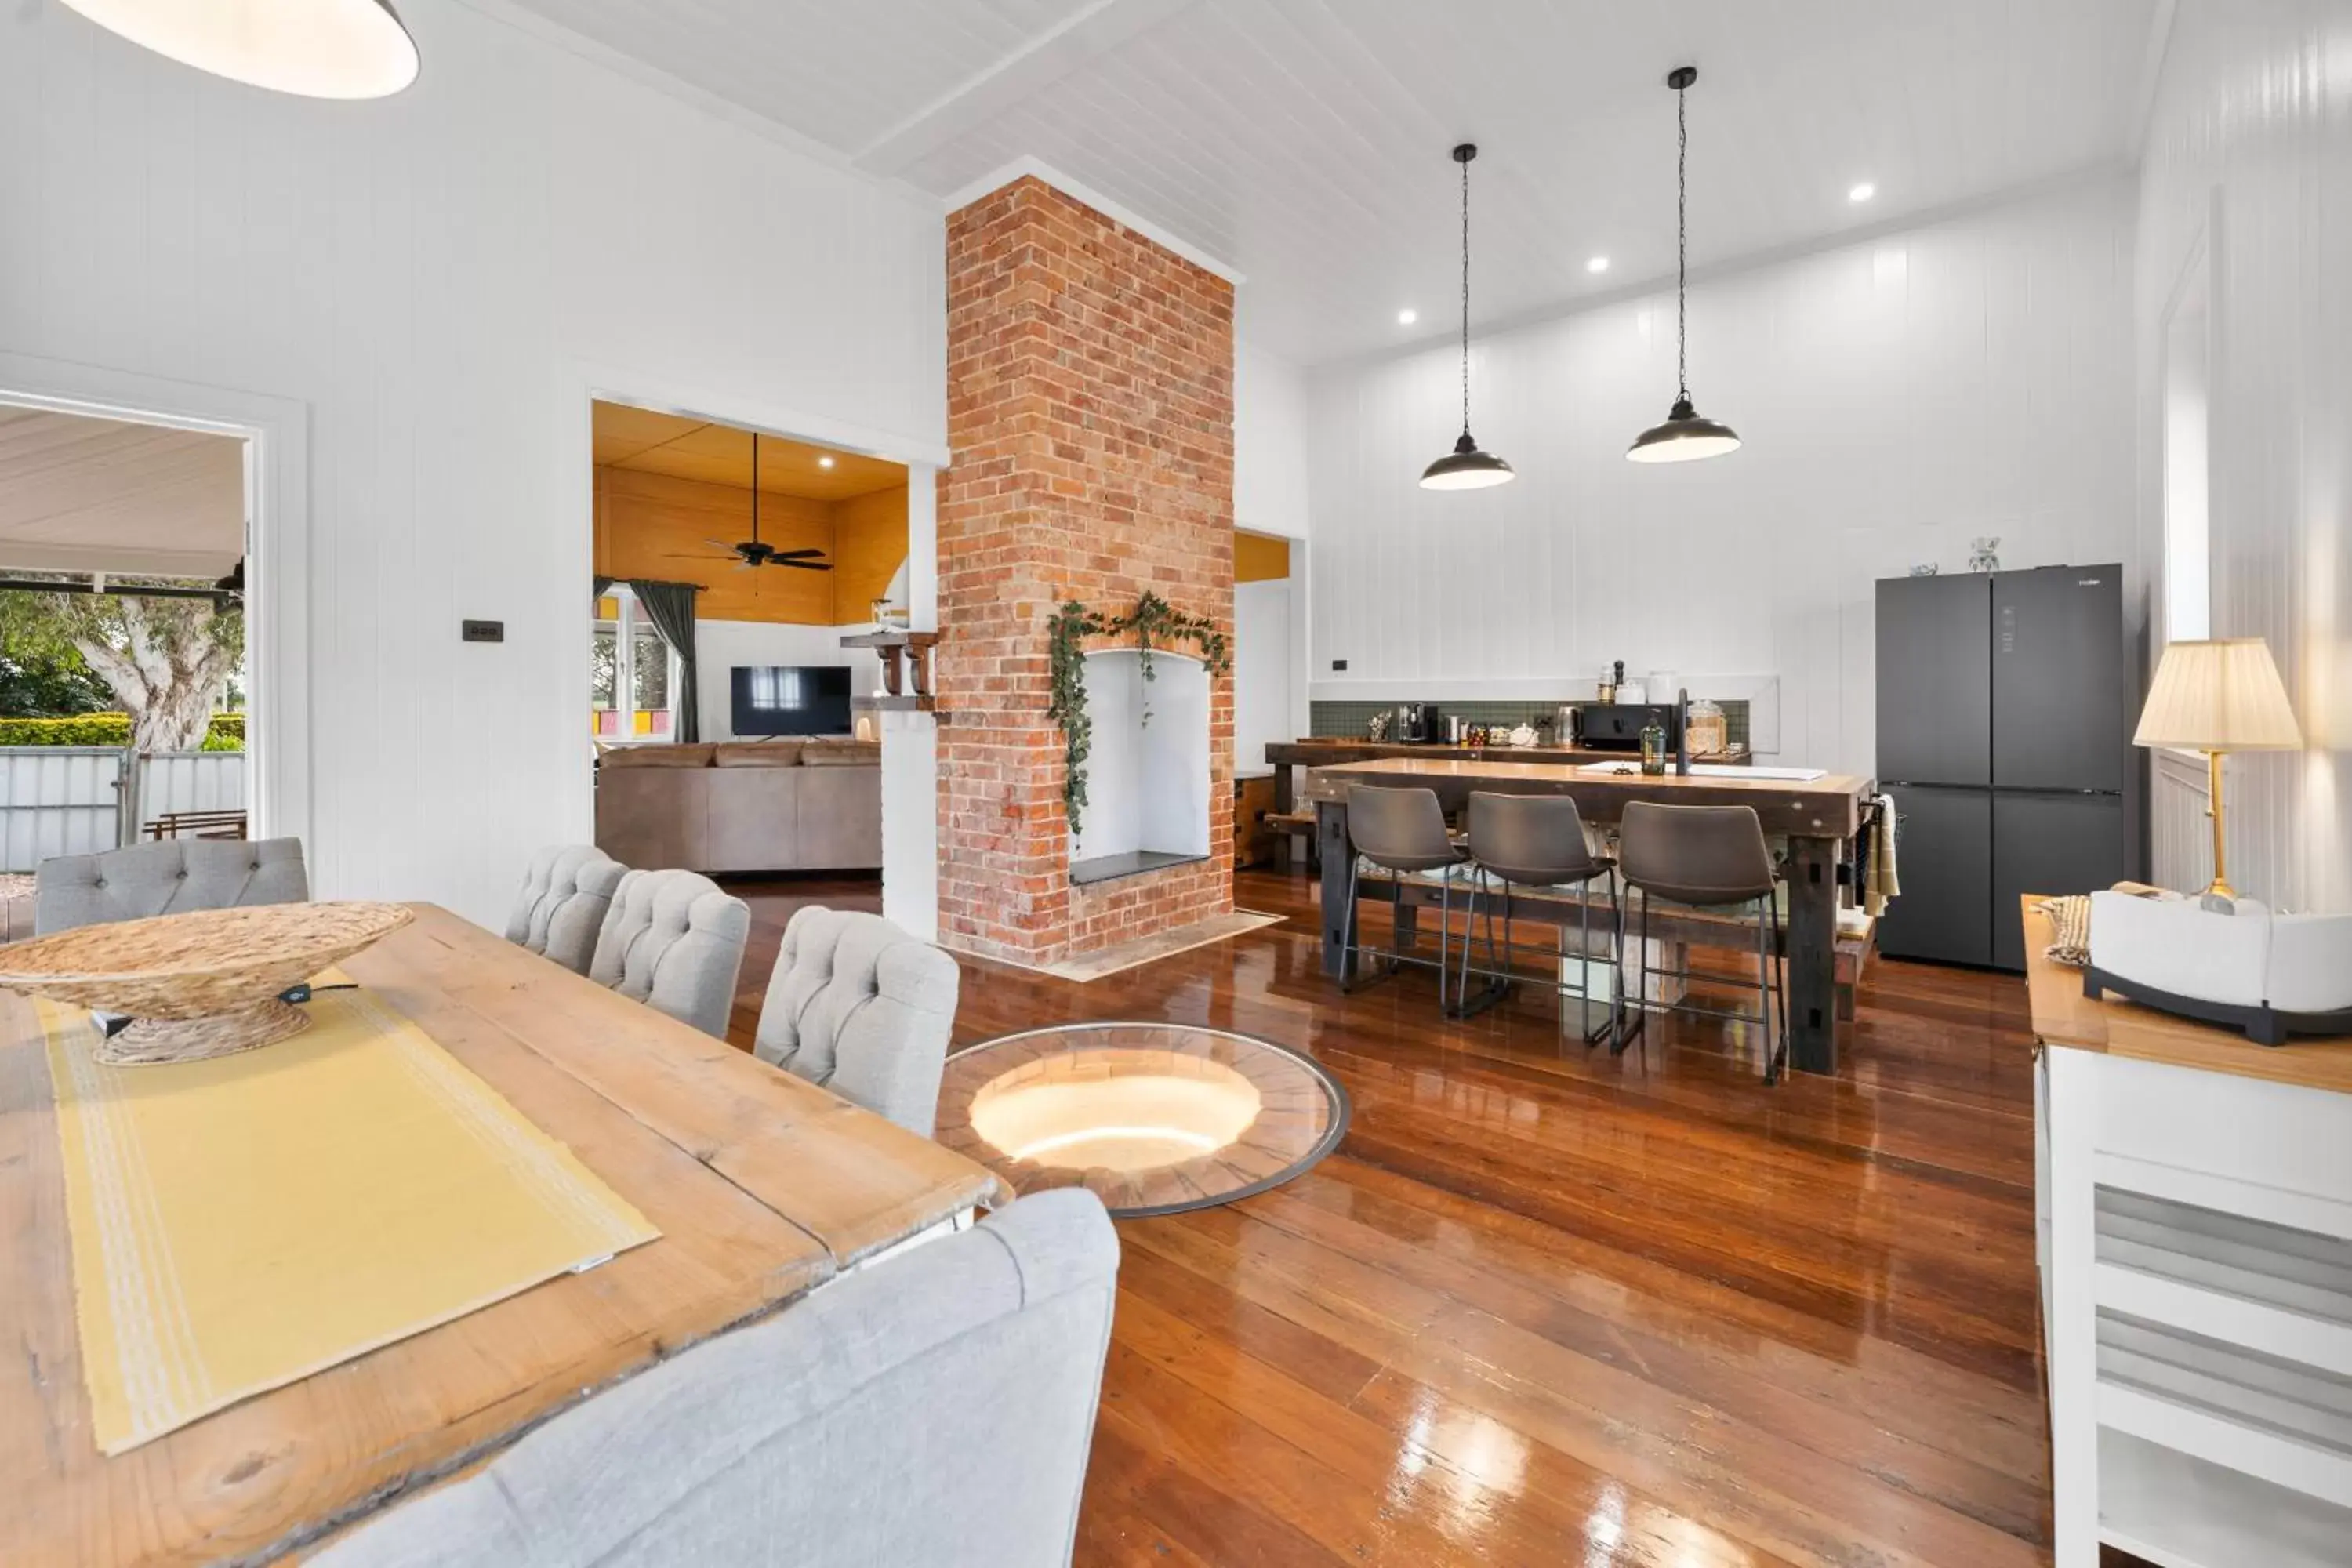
(2194, 1202)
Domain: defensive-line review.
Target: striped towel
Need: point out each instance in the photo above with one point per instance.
(2071, 918)
(1880, 883)
(2070, 921)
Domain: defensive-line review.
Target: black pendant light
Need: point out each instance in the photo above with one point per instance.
(1684, 437)
(1466, 467)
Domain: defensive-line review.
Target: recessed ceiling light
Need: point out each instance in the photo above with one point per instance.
(826, 461)
(1407, 316)
(1597, 264)
(1861, 192)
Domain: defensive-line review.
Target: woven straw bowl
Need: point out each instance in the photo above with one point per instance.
(200, 984)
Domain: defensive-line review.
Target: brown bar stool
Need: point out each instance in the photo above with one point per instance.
(1711, 857)
(1533, 841)
(1400, 831)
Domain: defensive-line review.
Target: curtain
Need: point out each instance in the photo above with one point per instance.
(602, 585)
(671, 607)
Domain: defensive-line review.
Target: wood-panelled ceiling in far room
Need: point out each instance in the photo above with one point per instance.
(645, 442)
(668, 486)
(1260, 557)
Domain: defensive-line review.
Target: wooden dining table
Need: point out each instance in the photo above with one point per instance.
(763, 1187)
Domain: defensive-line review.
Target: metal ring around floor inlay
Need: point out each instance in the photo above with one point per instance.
(1152, 1117)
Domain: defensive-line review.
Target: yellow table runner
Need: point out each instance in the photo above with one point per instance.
(241, 1223)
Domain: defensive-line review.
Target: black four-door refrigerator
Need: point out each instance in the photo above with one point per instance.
(2004, 707)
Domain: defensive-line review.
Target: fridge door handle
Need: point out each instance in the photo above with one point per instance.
(2050, 790)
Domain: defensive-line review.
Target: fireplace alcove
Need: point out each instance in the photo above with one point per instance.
(1147, 773)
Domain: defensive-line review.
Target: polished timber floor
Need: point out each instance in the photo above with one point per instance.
(1545, 1306)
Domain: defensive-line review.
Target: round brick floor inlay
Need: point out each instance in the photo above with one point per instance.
(1152, 1117)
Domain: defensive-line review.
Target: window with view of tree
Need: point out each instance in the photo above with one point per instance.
(649, 670)
(606, 683)
(630, 673)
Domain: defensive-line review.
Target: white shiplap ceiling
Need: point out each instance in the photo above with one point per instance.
(81, 494)
(1304, 142)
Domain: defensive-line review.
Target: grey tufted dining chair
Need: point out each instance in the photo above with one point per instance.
(567, 890)
(170, 876)
(858, 1005)
(673, 941)
(935, 1407)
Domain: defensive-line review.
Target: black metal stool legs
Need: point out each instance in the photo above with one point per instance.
(1606, 1029)
(1770, 985)
(1497, 984)
(1502, 978)
(1619, 1029)
(1773, 961)
(1626, 1023)
(1445, 935)
(1355, 979)
(1394, 957)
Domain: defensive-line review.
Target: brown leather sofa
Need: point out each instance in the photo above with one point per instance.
(765, 805)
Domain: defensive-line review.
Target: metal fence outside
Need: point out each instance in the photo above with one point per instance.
(74, 800)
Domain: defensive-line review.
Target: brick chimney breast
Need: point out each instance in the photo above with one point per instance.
(1090, 418)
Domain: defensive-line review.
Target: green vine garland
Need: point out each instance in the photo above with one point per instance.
(1155, 623)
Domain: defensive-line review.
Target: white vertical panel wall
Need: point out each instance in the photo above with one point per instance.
(1899, 396)
(2249, 152)
(1269, 442)
(433, 277)
(1270, 496)
(1265, 633)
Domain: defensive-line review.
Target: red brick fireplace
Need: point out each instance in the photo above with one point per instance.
(1090, 407)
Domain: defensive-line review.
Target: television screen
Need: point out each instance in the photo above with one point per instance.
(792, 699)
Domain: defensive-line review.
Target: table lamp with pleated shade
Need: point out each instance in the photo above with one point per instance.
(2217, 697)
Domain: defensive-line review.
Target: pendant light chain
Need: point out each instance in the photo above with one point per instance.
(1465, 296)
(1681, 242)
(1466, 467)
(1684, 436)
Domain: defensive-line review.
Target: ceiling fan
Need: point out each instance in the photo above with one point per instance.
(754, 552)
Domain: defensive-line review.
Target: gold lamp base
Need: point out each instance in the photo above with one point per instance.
(2220, 882)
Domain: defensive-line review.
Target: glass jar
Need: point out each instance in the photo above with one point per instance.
(1708, 735)
(1654, 748)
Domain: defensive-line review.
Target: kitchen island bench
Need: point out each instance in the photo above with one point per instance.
(1820, 817)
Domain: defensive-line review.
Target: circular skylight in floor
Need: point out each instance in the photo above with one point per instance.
(1151, 1118)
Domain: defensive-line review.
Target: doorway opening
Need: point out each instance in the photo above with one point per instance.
(1270, 703)
(125, 687)
(732, 732)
